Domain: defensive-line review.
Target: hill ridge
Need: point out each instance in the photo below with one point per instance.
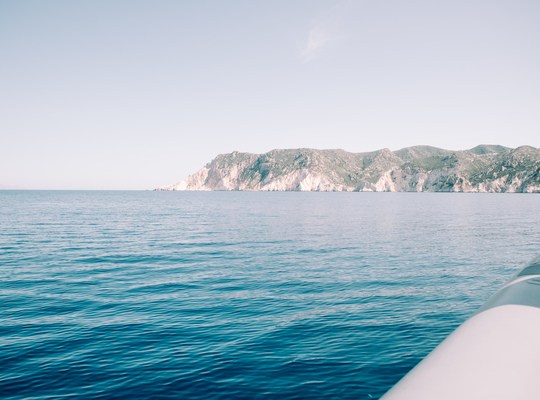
(484, 168)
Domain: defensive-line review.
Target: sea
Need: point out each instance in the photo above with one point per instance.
(243, 295)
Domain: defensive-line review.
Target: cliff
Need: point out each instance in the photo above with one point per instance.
(485, 168)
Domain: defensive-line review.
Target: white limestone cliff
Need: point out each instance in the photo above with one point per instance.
(414, 169)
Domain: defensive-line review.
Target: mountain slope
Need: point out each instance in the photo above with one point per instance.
(485, 168)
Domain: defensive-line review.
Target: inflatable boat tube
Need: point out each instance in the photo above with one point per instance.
(494, 355)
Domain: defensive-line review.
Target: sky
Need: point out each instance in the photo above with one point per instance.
(138, 94)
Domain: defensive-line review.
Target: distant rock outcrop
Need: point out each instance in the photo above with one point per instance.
(485, 168)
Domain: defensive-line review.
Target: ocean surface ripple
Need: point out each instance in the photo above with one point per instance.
(231, 295)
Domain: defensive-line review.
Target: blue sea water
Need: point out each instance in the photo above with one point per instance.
(240, 295)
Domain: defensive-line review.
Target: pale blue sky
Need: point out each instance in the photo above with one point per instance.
(137, 94)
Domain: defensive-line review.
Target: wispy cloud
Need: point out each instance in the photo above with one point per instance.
(318, 38)
(326, 29)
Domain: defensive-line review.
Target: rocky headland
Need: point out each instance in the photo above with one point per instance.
(485, 168)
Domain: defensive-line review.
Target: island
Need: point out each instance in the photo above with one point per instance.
(484, 168)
